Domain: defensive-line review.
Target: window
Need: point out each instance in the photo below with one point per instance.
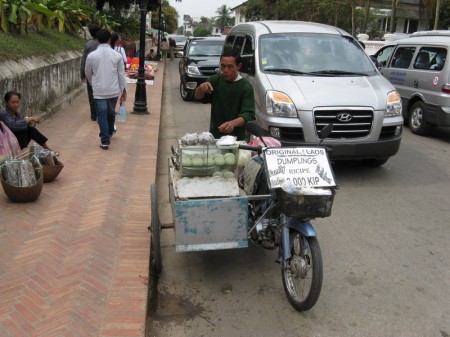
(248, 49)
(410, 26)
(238, 43)
(437, 57)
(229, 42)
(403, 56)
(383, 56)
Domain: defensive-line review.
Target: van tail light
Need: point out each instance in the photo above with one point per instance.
(446, 88)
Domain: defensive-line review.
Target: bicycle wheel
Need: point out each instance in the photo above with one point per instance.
(155, 228)
(302, 274)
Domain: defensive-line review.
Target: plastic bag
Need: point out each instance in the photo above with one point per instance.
(20, 173)
(27, 174)
(244, 155)
(10, 172)
(189, 139)
(226, 140)
(9, 146)
(122, 113)
(206, 138)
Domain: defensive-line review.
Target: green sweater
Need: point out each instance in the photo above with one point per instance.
(230, 100)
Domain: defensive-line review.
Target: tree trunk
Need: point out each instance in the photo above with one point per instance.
(436, 18)
(393, 15)
(353, 17)
(366, 15)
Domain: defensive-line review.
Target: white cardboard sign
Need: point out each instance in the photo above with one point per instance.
(304, 166)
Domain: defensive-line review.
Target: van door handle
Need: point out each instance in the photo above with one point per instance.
(416, 83)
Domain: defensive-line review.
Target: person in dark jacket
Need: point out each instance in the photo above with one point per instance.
(90, 46)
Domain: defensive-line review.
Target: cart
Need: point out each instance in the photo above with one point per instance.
(209, 212)
(212, 212)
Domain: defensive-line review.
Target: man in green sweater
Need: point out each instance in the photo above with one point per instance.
(231, 97)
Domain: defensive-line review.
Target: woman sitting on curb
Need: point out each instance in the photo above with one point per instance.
(22, 127)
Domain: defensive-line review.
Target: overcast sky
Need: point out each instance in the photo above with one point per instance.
(198, 8)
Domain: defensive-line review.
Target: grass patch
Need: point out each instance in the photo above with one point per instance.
(18, 46)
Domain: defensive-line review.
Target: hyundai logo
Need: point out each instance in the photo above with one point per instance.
(344, 117)
(217, 70)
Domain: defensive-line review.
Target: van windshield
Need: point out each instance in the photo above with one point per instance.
(314, 54)
(179, 39)
(205, 48)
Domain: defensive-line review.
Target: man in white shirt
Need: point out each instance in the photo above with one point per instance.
(105, 71)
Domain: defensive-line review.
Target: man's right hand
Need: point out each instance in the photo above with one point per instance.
(206, 87)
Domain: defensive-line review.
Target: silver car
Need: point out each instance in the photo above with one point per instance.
(307, 75)
(417, 66)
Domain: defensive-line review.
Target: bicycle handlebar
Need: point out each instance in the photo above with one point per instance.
(251, 148)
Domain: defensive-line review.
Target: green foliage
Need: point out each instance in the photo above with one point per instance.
(350, 15)
(17, 15)
(224, 17)
(49, 42)
(170, 20)
(202, 31)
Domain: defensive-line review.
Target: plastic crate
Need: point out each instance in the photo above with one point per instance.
(305, 206)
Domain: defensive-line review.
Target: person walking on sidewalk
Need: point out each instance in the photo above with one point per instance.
(117, 48)
(90, 46)
(231, 98)
(105, 71)
(172, 45)
(164, 48)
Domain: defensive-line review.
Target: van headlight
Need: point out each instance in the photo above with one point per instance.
(394, 105)
(279, 104)
(192, 70)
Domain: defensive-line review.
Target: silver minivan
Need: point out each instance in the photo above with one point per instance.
(417, 67)
(306, 75)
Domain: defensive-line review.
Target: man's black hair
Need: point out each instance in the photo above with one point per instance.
(114, 38)
(103, 36)
(232, 53)
(93, 29)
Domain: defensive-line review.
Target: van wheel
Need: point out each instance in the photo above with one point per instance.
(185, 94)
(375, 162)
(417, 123)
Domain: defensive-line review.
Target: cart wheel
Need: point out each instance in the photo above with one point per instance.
(155, 251)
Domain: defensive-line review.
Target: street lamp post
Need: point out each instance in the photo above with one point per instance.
(140, 98)
(161, 15)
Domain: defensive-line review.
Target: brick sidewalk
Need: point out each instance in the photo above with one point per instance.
(75, 262)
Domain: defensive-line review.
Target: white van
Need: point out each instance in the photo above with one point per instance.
(306, 75)
(417, 66)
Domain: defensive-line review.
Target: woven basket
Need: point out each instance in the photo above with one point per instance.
(52, 171)
(24, 194)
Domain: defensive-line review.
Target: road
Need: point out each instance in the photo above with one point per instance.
(385, 249)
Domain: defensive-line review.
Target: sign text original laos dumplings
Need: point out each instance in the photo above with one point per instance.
(304, 166)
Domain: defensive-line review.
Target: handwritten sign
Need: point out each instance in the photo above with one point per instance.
(304, 166)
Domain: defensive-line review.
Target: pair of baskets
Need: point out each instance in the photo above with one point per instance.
(43, 173)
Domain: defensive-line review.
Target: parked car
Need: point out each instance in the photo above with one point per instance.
(417, 66)
(180, 41)
(306, 75)
(200, 60)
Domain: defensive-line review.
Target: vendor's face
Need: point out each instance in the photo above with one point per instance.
(13, 104)
(229, 68)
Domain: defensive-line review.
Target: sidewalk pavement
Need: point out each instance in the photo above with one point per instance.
(76, 261)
